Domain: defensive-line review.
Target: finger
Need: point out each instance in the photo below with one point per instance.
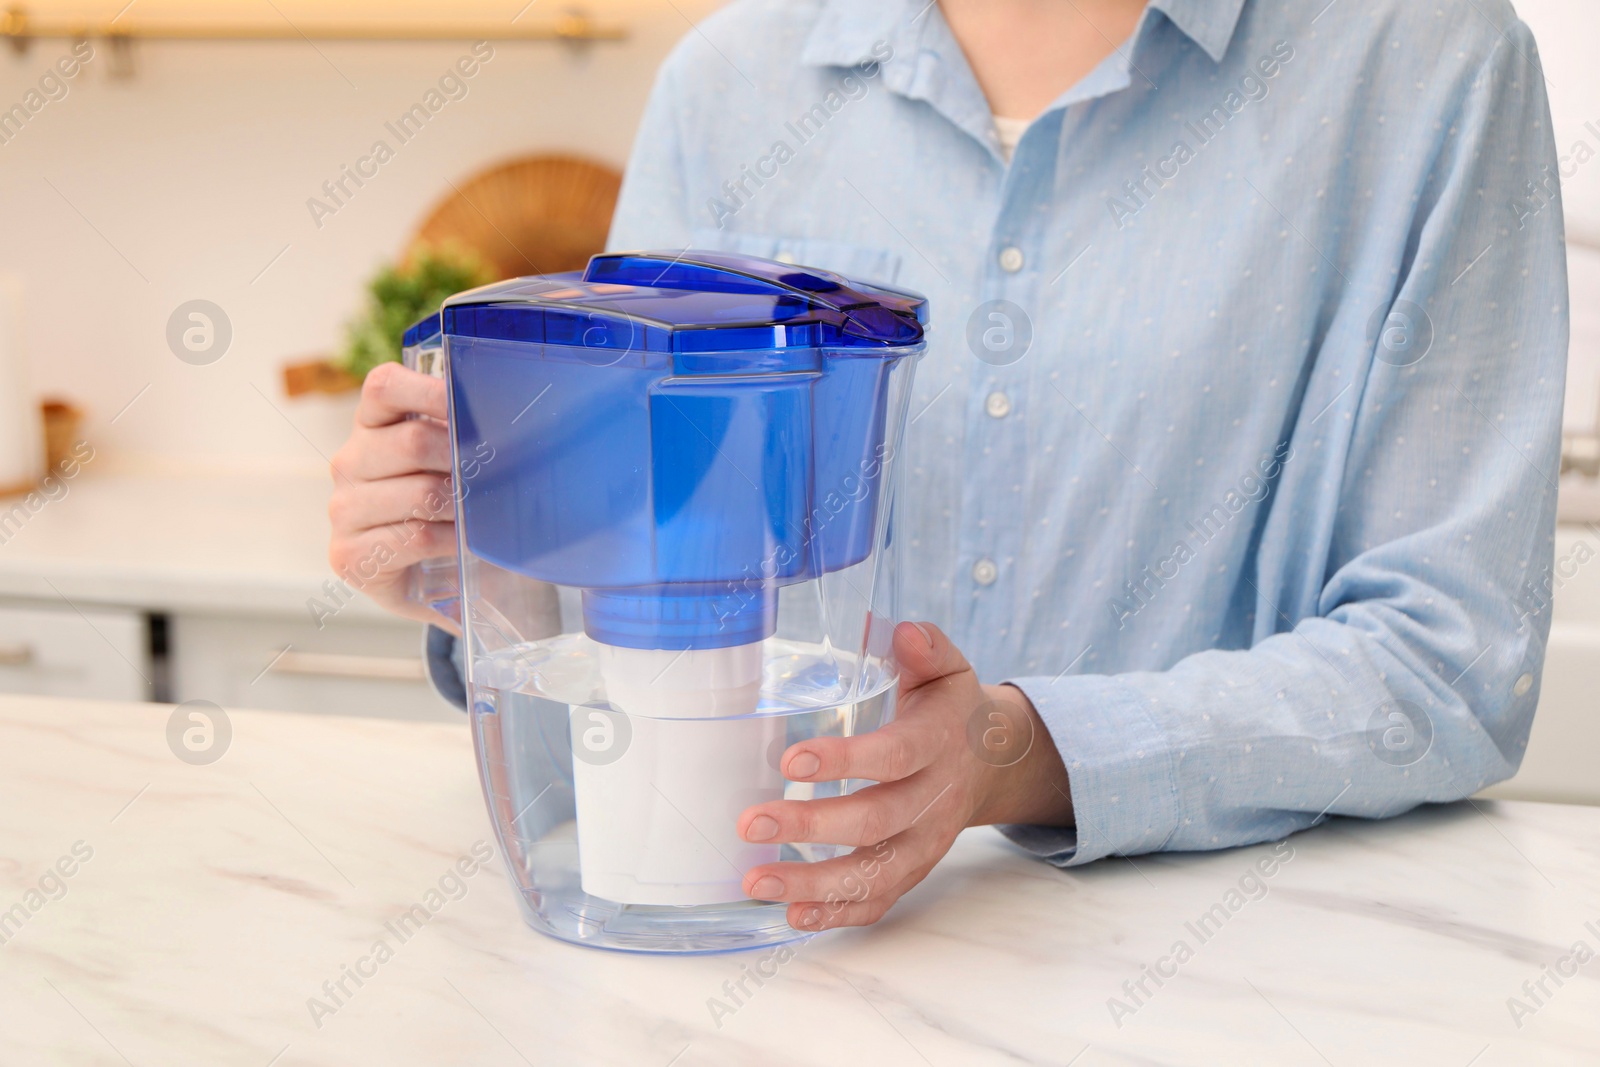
(417, 445)
(384, 551)
(925, 655)
(391, 392)
(816, 916)
(868, 873)
(888, 754)
(423, 497)
(864, 817)
(835, 910)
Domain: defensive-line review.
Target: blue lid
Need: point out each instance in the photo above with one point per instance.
(424, 332)
(622, 484)
(691, 303)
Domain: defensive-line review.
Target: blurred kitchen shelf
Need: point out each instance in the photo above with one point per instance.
(572, 26)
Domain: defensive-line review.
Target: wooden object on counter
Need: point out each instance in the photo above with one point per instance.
(318, 376)
(533, 215)
(62, 420)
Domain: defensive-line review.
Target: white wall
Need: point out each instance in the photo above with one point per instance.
(1568, 31)
(129, 197)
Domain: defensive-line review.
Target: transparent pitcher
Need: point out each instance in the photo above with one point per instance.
(677, 562)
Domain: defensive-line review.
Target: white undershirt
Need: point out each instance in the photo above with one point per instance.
(1009, 132)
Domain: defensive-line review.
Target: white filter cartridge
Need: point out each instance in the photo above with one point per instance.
(661, 780)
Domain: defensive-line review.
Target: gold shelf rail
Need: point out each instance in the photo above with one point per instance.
(572, 27)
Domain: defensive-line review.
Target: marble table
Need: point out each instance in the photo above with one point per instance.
(206, 905)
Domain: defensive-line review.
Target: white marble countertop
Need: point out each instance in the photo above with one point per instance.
(251, 541)
(218, 899)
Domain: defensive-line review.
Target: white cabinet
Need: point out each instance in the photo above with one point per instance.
(354, 666)
(66, 651)
(349, 667)
(234, 563)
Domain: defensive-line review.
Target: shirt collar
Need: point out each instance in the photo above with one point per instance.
(1208, 23)
(925, 61)
(847, 30)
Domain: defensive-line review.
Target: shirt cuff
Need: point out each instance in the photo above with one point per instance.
(441, 656)
(1122, 770)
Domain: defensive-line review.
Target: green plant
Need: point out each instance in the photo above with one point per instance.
(398, 296)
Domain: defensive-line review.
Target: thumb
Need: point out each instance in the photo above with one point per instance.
(925, 655)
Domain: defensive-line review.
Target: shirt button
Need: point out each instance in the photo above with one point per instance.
(1011, 259)
(998, 405)
(984, 572)
(1522, 685)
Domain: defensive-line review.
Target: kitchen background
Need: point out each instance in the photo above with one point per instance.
(187, 560)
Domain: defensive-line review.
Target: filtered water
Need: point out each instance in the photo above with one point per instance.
(531, 701)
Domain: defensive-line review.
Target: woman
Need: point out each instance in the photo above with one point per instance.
(1235, 447)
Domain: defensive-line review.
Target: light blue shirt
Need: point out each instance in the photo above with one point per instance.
(1249, 483)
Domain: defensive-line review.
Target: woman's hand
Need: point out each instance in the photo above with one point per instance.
(392, 504)
(957, 754)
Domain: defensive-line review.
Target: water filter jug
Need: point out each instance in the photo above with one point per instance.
(696, 453)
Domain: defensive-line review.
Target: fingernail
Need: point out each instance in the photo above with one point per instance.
(803, 766)
(761, 828)
(926, 635)
(811, 919)
(767, 888)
